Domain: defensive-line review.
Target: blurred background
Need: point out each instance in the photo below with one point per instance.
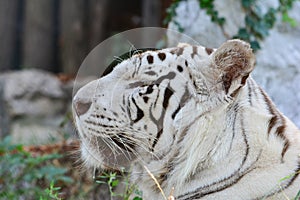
(56, 35)
(44, 42)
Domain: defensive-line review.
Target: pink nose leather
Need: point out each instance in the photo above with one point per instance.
(81, 107)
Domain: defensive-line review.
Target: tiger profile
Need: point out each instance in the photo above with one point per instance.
(196, 119)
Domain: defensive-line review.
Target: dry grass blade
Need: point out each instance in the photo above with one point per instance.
(171, 197)
(156, 182)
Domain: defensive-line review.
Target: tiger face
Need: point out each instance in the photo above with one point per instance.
(177, 111)
(139, 109)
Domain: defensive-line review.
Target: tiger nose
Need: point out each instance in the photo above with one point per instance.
(82, 101)
(81, 106)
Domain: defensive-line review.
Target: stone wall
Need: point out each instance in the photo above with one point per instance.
(278, 62)
(35, 106)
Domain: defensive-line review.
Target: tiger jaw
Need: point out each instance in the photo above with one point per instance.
(97, 152)
(99, 155)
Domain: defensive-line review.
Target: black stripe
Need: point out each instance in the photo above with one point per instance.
(169, 76)
(235, 108)
(235, 179)
(98, 124)
(150, 59)
(276, 119)
(243, 82)
(178, 51)
(296, 171)
(156, 139)
(176, 111)
(167, 96)
(162, 56)
(149, 89)
(123, 57)
(225, 182)
(151, 73)
(208, 50)
(194, 51)
(139, 114)
(253, 87)
(249, 93)
(287, 185)
(169, 167)
(182, 102)
(244, 79)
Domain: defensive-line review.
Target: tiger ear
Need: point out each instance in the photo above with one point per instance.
(235, 61)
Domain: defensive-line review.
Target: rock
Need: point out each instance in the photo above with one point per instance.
(33, 105)
(36, 131)
(4, 119)
(32, 92)
(277, 69)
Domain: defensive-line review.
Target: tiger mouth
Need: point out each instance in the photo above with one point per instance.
(108, 156)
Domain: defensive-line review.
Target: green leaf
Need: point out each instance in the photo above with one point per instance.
(261, 30)
(243, 34)
(101, 182)
(247, 3)
(137, 198)
(270, 18)
(255, 45)
(114, 183)
(297, 196)
(288, 19)
(250, 21)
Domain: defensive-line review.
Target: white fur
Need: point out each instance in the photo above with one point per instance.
(220, 127)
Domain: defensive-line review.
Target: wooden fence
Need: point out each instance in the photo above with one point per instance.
(56, 35)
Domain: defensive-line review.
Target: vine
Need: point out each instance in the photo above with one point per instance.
(171, 14)
(257, 24)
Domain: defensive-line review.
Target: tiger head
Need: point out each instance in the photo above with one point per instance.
(149, 103)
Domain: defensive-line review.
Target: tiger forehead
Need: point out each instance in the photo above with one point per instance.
(183, 49)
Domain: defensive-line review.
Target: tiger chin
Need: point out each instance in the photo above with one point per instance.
(196, 119)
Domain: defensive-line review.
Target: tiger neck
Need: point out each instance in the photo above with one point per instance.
(217, 145)
(207, 151)
(210, 147)
(197, 151)
(204, 145)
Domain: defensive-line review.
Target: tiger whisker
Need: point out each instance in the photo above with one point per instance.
(125, 145)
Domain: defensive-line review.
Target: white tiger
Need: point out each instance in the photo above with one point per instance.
(196, 119)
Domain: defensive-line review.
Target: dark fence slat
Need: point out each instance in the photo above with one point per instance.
(151, 13)
(39, 35)
(97, 17)
(73, 40)
(8, 33)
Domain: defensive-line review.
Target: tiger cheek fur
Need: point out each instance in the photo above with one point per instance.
(196, 119)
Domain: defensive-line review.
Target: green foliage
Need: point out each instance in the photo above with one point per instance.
(208, 5)
(284, 7)
(52, 192)
(171, 13)
(21, 174)
(257, 24)
(112, 180)
(297, 196)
